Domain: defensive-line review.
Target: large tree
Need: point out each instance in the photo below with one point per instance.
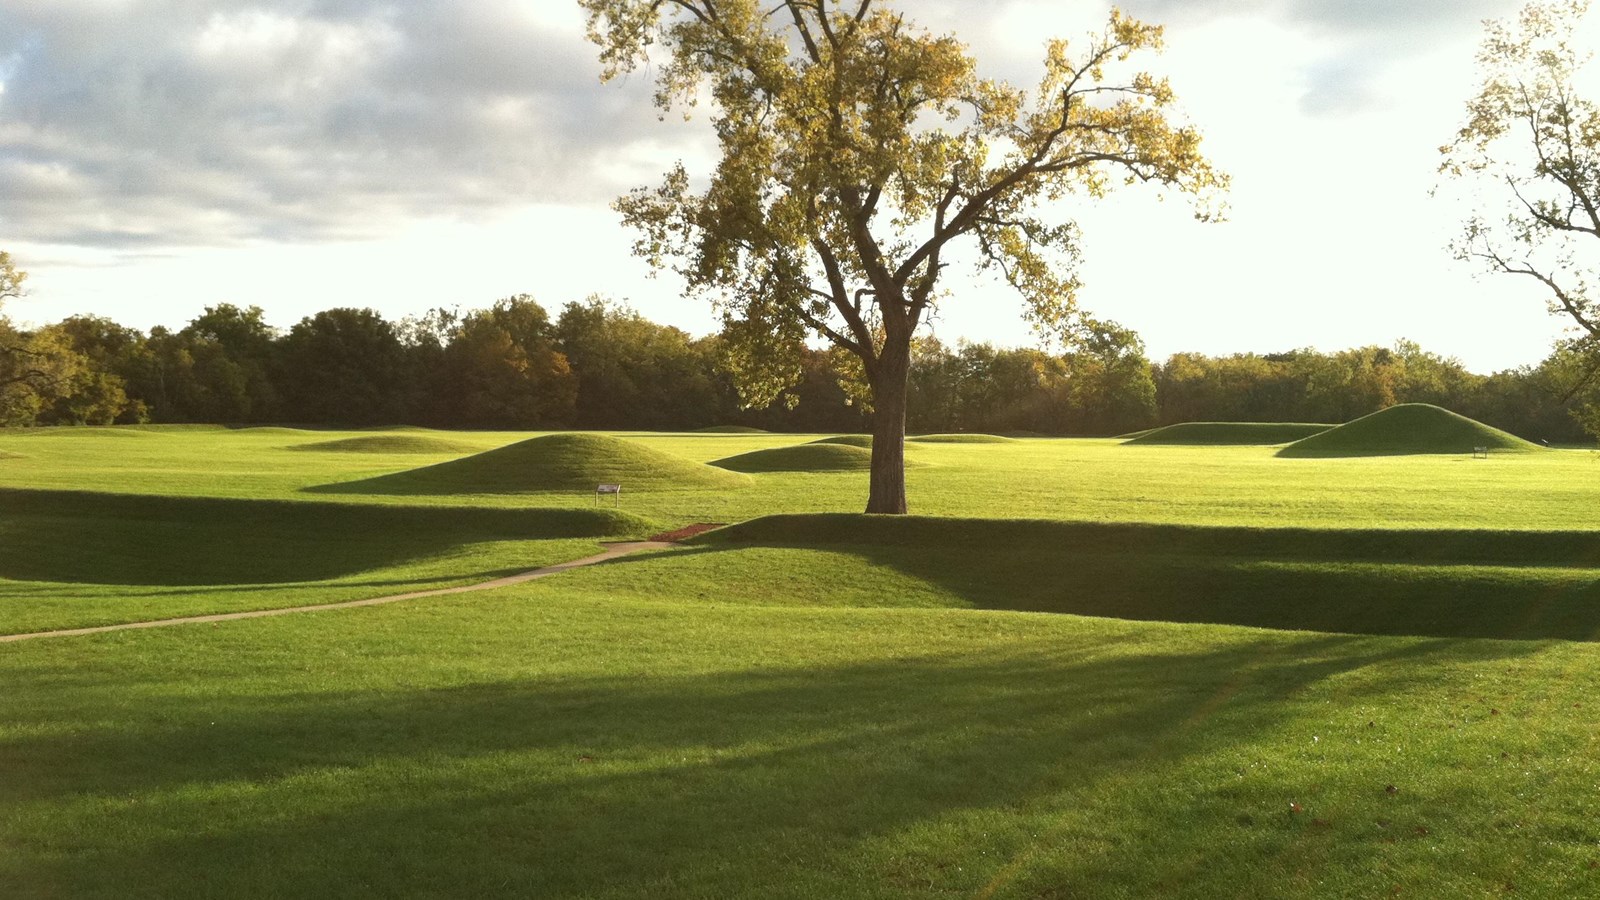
(856, 149)
(1530, 152)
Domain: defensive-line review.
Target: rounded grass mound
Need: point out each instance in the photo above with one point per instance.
(1223, 434)
(802, 458)
(848, 440)
(389, 443)
(556, 462)
(1407, 429)
(730, 429)
(961, 439)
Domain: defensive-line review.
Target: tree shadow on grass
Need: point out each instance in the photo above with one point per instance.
(1517, 585)
(872, 779)
(124, 539)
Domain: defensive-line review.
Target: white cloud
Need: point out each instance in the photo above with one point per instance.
(157, 156)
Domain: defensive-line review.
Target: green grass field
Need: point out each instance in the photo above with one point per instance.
(1085, 669)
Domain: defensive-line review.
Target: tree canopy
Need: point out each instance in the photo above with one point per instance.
(1530, 151)
(855, 148)
(11, 278)
(1531, 146)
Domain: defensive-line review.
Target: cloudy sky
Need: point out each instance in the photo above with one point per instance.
(157, 156)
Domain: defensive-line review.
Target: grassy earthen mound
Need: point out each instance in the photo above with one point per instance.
(556, 462)
(802, 458)
(389, 443)
(72, 431)
(730, 429)
(1224, 434)
(1407, 429)
(961, 439)
(848, 440)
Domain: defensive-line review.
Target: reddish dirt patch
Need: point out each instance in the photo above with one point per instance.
(686, 532)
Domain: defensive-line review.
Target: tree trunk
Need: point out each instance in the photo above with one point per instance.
(887, 493)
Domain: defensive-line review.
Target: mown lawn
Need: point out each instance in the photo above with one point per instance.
(1121, 672)
(1063, 479)
(555, 740)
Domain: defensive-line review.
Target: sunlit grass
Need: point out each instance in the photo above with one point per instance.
(1090, 480)
(1119, 671)
(555, 740)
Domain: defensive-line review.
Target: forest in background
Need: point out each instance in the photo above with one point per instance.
(598, 364)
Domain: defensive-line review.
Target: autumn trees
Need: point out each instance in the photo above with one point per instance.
(856, 149)
(1530, 150)
(36, 367)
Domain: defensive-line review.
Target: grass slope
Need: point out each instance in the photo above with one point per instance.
(77, 432)
(560, 740)
(730, 429)
(1046, 478)
(1410, 428)
(76, 559)
(389, 443)
(1424, 583)
(1227, 433)
(557, 462)
(961, 439)
(818, 457)
(848, 440)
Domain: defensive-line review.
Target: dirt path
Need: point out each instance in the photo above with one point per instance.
(612, 552)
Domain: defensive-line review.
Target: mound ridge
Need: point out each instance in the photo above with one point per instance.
(1407, 429)
(831, 457)
(555, 462)
(848, 440)
(110, 431)
(961, 439)
(388, 443)
(1218, 434)
(730, 429)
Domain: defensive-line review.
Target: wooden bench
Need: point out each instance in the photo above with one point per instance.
(600, 490)
(1480, 452)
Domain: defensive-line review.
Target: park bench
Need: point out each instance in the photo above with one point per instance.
(1480, 452)
(601, 490)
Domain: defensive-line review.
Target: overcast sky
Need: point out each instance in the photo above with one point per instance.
(158, 156)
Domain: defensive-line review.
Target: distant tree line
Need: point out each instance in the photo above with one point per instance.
(598, 364)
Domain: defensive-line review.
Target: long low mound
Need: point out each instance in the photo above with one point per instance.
(388, 443)
(1222, 434)
(802, 458)
(132, 539)
(1407, 429)
(76, 431)
(848, 440)
(730, 429)
(1445, 583)
(556, 462)
(961, 439)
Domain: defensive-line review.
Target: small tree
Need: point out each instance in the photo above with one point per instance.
(36, 368)
(856, 149)
(11, 279)
(1531, 148)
